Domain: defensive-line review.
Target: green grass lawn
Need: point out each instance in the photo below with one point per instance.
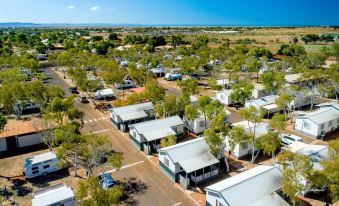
(315, 48)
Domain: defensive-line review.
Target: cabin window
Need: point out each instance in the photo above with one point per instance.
(45, 166)
(307, 125)
(35, 168)
(330, 123)
(222, 97)
(202, 124)
(166, 161)
(322, 126)
(338, 121)
(134, 134)
(162, 153)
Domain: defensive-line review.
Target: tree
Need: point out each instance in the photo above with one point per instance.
(269, 142)
(62, 111)
(68, 43)
(214, 141)
(154, 91)
(168, 107)
(253, 65)
(202, 103)
(277, 122)
(167, 141)
(3, 122)
(115, 160)
(331, 168)
(253, 116)
(190, 113)
(189, 86)
(283, 102)
(335, 49)
(86, 150)
(113, 36)
(296, 169)
(242, 90)
(272, 81)
(91, 193)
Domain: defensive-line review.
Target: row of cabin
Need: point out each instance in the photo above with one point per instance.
(262, 184)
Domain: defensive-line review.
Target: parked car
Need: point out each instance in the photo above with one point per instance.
(73, 90)
(82, 99)
(288, 139)
(173, 76)
(105, 180)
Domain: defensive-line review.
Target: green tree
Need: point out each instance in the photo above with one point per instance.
(91, 193)
(269, 142)
(113, 36)
(68, 43)
(202, 103)
(253, 116)
(115, 160)
(154, 91)
(242, 90)
(272, 81)
(335, 49)
(331, 168)
(3, 122)
(190, 113)
(214, 141)
(295, 168)
(189, 86)
(277, 122)
(283, 102)
(168, 141)
(253, 66)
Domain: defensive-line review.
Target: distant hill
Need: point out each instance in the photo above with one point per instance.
(28, 24)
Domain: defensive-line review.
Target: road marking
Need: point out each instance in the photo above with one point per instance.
(126, 166)
(90, 120)
(85, 121)
(177, 204)
(105, 130)
(95, 120)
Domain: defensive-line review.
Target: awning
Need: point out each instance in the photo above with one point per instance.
(158, 134)
(271, 107)
(198, 162)
(133, 115)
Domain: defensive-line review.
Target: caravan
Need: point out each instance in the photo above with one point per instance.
(41, 164)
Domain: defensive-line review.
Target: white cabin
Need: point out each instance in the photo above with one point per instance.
(319, 122)
(224, 97)
(246, 149)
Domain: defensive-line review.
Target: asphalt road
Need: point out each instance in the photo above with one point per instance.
(160, 190)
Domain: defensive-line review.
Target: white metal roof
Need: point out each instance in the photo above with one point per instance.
(132, 108)
(43, 157)
(258, 86)
(191, 155)
(152, 125)
(133, 115)
(158, 133)
(315, 152)
(322, 115)
(255, 184)
(261, 128)
(272, 199)
(267, 100)
(51, 195)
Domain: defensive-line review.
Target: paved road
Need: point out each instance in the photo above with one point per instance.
(161, 191)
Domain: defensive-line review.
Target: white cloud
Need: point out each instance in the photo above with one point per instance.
(95, 8)
(70, 7)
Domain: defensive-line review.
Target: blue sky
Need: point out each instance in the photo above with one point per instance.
(201, 12)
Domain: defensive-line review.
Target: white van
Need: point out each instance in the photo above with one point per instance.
(41, 164)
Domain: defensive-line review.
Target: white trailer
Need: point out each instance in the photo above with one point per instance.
(41, 164)
(104, 94)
